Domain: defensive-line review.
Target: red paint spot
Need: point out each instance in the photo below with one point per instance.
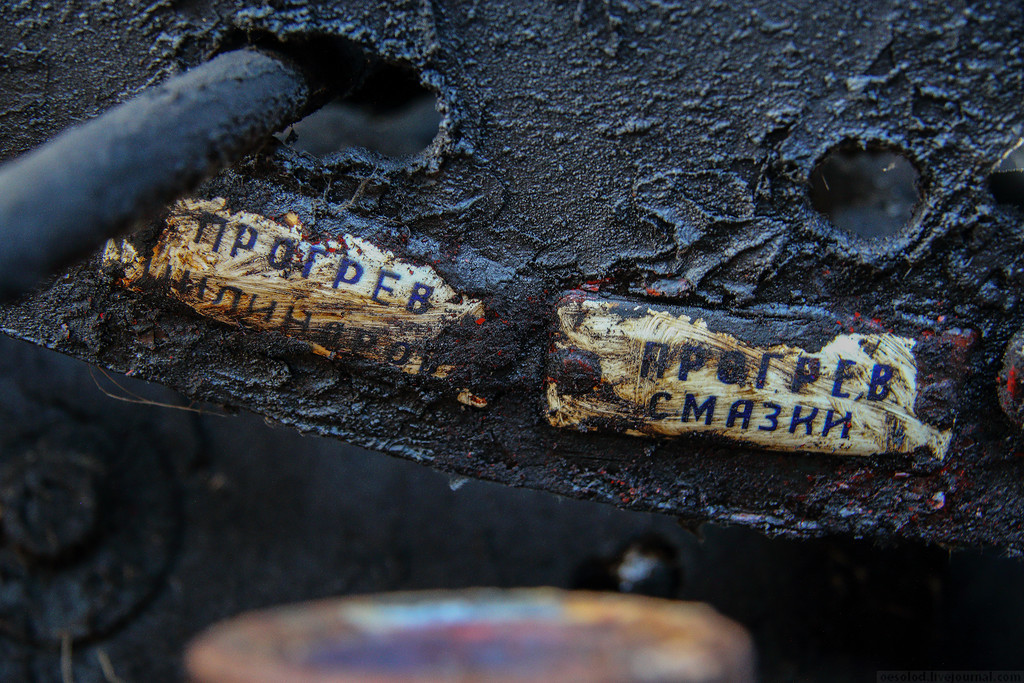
(480, 321)
(964, 338)
(593, 285)
(1013, 383)
(651, 291)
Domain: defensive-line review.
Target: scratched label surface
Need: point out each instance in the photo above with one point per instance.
(639, 369)
(340, 296)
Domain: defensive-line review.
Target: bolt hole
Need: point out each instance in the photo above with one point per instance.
(869, 192)
(390, 113)
(1007, 178)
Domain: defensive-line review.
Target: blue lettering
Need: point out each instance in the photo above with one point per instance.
(878, 389)
(692, 358)
(732, 367)
(268, 309)
(807, 370)
(807, 422)
(381, 287)
(220, 234)
(289, 253)
(773, 418)
(344, 267)
(830, 423)
(239, 244)
(419, 300)
(841, 374)
(290, 319)
(652, 407)
(655, 354)
(707, 408)
(762, 373)
(204, 222)
(311, 258)
(234, 290)
(741, 409)
(404, 351)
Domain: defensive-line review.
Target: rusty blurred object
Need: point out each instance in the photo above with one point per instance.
(477, 635)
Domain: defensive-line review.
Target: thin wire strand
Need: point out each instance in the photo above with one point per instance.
(132, 397)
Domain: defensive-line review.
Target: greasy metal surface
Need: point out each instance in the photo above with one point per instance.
(650, 150)
(480, 635)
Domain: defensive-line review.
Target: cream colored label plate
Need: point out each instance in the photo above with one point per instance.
(344, 296)
(659, 373)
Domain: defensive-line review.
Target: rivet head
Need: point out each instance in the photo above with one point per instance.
(49, 504)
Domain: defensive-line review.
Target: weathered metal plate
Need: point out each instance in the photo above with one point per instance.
(642, 369)
(340, 296)
(647, 149)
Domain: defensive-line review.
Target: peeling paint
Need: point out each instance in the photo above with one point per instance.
(662, 373)
(344, 296)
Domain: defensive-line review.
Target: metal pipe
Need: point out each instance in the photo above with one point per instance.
(90, 182)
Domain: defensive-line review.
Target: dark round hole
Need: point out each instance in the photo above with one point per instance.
(1007, 178)
(871, 193)
(390, 113)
